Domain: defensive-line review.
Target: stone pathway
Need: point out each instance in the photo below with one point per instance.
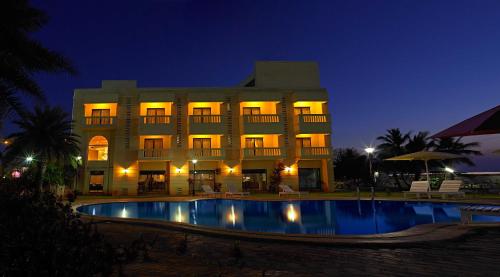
(476, 255)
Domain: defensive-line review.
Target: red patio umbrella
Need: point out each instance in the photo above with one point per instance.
(485, 123)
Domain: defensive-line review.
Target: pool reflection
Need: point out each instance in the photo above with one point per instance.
(291, 217)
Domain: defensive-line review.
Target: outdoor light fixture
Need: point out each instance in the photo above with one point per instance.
(194, 175)
(230, 170)
(450, 170)
(5, 142)
(288, 169)
(78, 158)
(178, 170)
(29, 159)
(369, 150)
(125, 171)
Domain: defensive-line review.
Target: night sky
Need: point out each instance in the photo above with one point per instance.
(416, 65)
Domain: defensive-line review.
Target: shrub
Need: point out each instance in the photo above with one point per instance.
(43, 237)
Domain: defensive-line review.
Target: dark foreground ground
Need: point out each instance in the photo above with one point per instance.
(477, 254)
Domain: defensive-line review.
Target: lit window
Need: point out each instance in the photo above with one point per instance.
(98, 149)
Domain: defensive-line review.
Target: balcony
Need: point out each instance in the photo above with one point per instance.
(154, 154)
(206, 154)
(314, 152)
(313, 124)
(100, 122)
(206, 124)
(264, 153)
(262, 124)
(156, 125)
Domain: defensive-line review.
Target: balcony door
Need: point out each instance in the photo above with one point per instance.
(254, 146)
(303, 142)
(251, 110)
(100, 116)
(152, 147)
(302, 110)
(199, 115)
(155, 115)
(202, 146)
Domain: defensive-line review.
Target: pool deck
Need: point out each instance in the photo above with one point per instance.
(425, 250)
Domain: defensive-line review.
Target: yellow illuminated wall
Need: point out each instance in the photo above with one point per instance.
(110, 106)
(166, 141)
(268, 107)
(269, 140)
(154, 105)
(317, 140)
(214, 106)
(215, 142)
(316, 106)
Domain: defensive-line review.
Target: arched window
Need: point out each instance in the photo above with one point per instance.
(98, 149)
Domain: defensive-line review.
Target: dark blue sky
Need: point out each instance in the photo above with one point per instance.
(417, 65)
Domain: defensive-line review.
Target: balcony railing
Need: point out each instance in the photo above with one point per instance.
(265, 152)
(205, 118)
(261, 118)
(156, 119)
(313, 123)
(206, 124)
(156, 125)
(314, 152)
(154, 154)
(262, 124)
(206, 153)
(100, 121)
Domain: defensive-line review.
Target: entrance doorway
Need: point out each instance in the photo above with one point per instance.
(203, 177)
(152, 181)
(310, 178)
(254, 179)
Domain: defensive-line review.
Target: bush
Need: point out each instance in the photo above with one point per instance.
(40, 236)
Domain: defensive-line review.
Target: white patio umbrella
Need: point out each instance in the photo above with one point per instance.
(425, 156)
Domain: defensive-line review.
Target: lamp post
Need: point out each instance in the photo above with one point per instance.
(78, 162)
(369, 151)
(194, 175)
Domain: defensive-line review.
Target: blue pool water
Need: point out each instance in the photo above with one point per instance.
(322, 217)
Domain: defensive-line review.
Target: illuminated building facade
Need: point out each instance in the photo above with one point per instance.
(171, 140)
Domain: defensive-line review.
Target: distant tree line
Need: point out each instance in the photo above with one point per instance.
(351, 165)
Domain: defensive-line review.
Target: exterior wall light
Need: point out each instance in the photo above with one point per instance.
(231, 170)
(178, 170)
(450, 170)
(288, 169)
(125, 171)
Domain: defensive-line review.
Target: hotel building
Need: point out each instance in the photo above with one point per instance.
(158, 140)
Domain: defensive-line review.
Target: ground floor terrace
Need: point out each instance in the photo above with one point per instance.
(459, 250)
(163, 177)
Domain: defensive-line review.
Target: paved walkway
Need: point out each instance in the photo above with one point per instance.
(475, 255)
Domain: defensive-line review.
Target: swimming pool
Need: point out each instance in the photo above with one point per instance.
(320, 217)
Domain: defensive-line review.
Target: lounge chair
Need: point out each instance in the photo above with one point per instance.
(286, 190)
(418, 188)
(208, 191)
(233, 191)
(448, 188)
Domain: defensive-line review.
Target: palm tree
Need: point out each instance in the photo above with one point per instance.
(419, 142)
(393, 143)
(46, 135)
(21, 56)
(456, 146)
